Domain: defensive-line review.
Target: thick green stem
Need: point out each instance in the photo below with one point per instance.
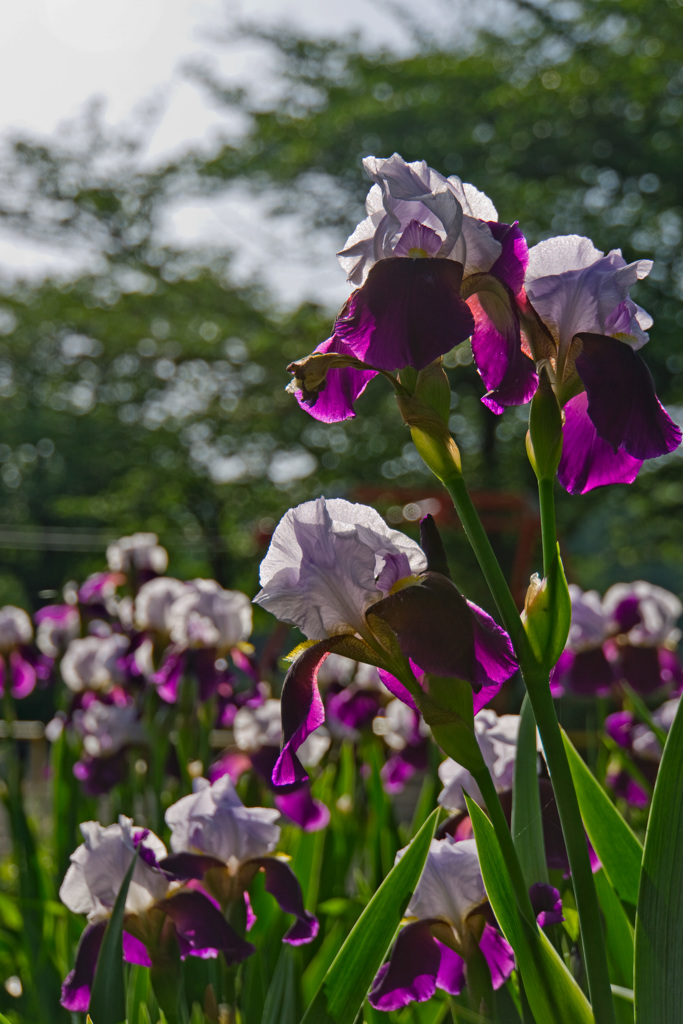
(507, 847)
(595, 957)
(548, 530)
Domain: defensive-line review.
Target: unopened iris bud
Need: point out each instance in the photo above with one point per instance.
(431, 437)
(544, 440)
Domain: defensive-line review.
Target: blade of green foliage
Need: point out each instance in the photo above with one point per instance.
(108, 997)
(346, 984)
(659, 919)
(619, 939)
(281, 1002)
(618, 848)
(527, 823)
(552, 992)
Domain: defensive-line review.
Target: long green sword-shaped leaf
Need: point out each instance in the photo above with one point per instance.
(527, 822)
(108, 997)
(554, 995)
(659, 917)
(618, 848)
(345, 986)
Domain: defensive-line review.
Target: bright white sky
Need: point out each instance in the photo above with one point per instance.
(55, 55)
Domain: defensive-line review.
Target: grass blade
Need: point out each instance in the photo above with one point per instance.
(108, 998)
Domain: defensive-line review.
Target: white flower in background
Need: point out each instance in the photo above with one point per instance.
(16, 628)
(205, 615)
(497, 737)
(92, 662)
(153, 603)
(656, 610)
(140, 551)
(328, 561)
(590, 624)
(214, 821)
(397, 725)
(107, 728)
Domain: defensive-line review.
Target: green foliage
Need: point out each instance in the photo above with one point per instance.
(659, 920)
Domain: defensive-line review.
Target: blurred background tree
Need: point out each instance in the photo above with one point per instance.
(148, 391)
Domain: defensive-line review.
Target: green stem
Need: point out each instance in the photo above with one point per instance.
(507, 847)
(595, 957)
(548, 529)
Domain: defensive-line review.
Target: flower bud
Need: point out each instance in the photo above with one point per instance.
(544, 440)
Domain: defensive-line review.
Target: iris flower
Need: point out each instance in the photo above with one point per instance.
(425, 239)
(445, 925)
(582, 326)
(355, 587)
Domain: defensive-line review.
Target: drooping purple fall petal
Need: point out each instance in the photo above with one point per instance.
(411, 973)
(78, 982)
(283, 885)
(588, 461)
(202, 930)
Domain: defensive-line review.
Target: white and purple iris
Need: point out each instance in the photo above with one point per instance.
(19, 668)
(445, 925)
(613, 419)
(335, 570)
(215, 838)
(497, 739)
(98, 867)
(423, 236)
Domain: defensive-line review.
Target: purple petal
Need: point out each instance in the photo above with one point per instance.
(627, 613)
(411, 973)
(282, 883)
(619, 727)
(402, 766)
(23, 675)
(302, 711)
(77, 984)
(408, 313)
(343, 386)
(558, 673)
(355, 709)
(432, 545)
(135, 951)
(511, 265)
(201, 928)
(639, 666)
(309, 814)
(498, 955)
(494, 655)
(507, 371)
(451, 974)
(586, 673)
(621, 399)
(169, 673)
(587, 460)
(547, 904)
(189, 865)
(396, 687)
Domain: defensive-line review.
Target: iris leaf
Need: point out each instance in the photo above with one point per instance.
(659, 918)
(108, 998)
(527, 822)
(553, 993)
(618, 848)
(346, 984)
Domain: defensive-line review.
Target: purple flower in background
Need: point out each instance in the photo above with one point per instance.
(215, 838)
(422, 234)
(19, 667)
(444, 922)
(591, 331)
(339, 573)
(107, 731)
(643, 748)
(407, 735)
(92, 883)
(630, 634)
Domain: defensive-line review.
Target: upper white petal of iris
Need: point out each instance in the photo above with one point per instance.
(450, 886)
(213, 820)
(139, 551)
(590, 625)
(409, 193)
(322, 566)
(92, 662)
(99, 866)
(154, 601)
(576, 289)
